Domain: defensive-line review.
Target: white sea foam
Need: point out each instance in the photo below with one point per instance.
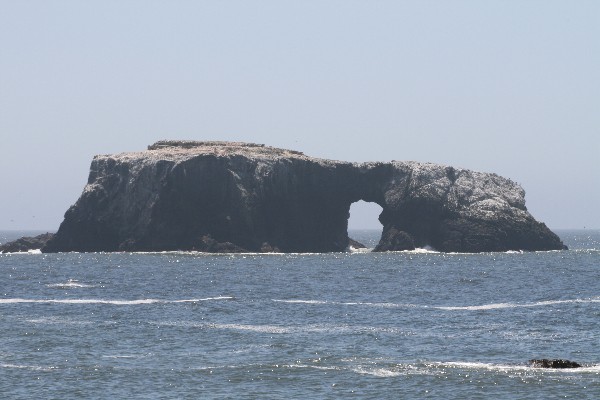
(379, 372)
(363, 250)
(284, 329)
(29, 367)
(479, 366)
(388, 371)
(312, 366)
(58, 321)
(497, 306)
(418, 250)
(512, 367)
(349, 303)
(294, 301)
(289, 329)
(436, 368)
(426, 249)
(122, 356)
(34, 251)
(113, 302)
(493, 306)
(253, 328)
(71, 283)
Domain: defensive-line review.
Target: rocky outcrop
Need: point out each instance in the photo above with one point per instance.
(26, 243)
(354, 244)
(546, 363)
(186, 195)
(394, 239)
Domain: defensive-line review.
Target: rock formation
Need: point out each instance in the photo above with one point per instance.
(224, 196)
(546, 363)
(355, 244)
(26, 243)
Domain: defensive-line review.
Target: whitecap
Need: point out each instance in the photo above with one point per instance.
(30, 367)
(438, 368)
(295, 301)
(113, 302)
(497, 306)
(512, 367)
(378, 372)
(28, 252)
(349, 303)
(71, 283)
(309, 366)
(426, 249)
(479, 307)
(359, 250)
(479, 365)
(253, 328)
(58, 321)
(388, 371)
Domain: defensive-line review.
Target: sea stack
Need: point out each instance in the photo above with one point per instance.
(231, 197)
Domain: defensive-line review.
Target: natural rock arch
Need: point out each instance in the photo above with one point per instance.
(223, 196)
(364, 215)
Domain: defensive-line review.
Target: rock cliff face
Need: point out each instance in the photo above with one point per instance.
(223, 196)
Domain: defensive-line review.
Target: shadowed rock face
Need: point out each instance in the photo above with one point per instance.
(186, 195)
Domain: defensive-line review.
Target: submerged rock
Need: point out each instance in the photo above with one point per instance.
(26, 243)
(183, 195)
(546, 363)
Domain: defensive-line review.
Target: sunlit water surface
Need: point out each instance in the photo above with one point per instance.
(364, 325)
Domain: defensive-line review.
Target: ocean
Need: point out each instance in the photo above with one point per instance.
(362, 325)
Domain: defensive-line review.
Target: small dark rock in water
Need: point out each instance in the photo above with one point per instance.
(210, 245)
(26, 243)
(267, 248)
(546, 363)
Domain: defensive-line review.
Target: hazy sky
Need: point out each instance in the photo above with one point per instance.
(511, 87)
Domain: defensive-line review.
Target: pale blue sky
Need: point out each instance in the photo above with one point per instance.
(511, 87)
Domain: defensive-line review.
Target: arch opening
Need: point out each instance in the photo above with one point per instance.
(363, 223)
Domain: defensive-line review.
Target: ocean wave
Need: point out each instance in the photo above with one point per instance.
(29, 367)
(58, 321)
(478, 366)
(493, 306)
(71, 283)
(387, 370)
(426, 249)
(113, 302)
(296, 301)
(593, 368)
(360, 250)
(288, 329)
(497, 306)
(378, 372)
(349, 303)
(253, 328)
(9, 253)
(125, 356)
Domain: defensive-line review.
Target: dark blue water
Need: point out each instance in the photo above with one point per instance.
(362, 325)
